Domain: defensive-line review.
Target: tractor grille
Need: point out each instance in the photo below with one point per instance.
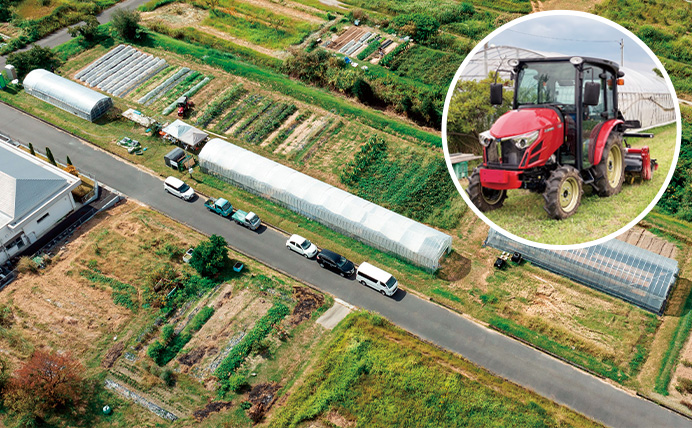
(506, 151)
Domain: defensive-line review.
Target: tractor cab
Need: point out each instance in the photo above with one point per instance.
(564, 131)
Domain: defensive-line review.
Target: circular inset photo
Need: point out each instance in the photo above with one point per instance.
(561, 129)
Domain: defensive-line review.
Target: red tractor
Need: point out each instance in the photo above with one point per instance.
(184, 104)
(565, 131)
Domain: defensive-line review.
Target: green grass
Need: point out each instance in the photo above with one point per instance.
(123, 294)
(672, 354)
(373, 374)
(523, 214)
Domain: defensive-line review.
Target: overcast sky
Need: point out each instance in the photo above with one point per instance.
(575, 35)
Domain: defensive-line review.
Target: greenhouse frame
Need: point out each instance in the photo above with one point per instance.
(644, 97)
(638, 276)
(66, 94)
(335, 208)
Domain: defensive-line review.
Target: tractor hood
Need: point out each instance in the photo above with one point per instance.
(516, 122)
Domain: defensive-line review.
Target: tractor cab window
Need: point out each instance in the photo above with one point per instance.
(593, 116)
(547, 83)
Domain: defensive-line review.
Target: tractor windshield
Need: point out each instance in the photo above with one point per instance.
(546, 83)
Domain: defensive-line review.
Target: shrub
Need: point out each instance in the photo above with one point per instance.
(684, 385)
(237, 382)
(36, 57)
(168, 377)
(417, 25)
(6, 316)
(210, 256)
(126, 24)
(25, 265)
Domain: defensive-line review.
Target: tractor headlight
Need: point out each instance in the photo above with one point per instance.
(524, 140)
(485, 138)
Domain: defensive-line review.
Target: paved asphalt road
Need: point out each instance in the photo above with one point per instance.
(499, 354)
(61, 36)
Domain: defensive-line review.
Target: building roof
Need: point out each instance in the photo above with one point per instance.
(188, 134)
(27, 183)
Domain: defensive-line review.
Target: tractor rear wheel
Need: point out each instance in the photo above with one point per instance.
(609, 174)
(483, 198)
(563, 192)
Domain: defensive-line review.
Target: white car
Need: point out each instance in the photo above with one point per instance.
(301, 246)
(178, 188)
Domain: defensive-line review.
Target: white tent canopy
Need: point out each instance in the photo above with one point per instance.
(185, 133)
(329, 205)
(644, 96)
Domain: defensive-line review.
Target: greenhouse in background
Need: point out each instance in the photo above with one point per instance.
(623, 270)
(66, 94)
(326, 204)
(643, 97)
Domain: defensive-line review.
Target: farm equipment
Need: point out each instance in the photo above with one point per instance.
(184, 104)
(220, 206)
(249, 220)
(564, 131)
(132, 146)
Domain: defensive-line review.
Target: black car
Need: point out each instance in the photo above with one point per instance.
(336, 262)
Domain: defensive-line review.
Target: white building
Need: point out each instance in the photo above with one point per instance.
(34, 197)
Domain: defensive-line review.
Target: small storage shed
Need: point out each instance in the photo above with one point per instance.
(66, 94)
(173, 158)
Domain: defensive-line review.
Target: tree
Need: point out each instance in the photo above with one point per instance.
(89, 30)
(471, 113)
(210, 256)
(5, 12)
(46, 384)
(50, 157)
(417, 25)
(31, 150)
(363, 91)
(126, 24)
(36, 57)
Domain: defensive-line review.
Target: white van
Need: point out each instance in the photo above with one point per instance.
(376, 278)
(178, 188)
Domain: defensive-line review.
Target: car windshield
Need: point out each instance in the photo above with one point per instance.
(184, 188)
(546, 83)
(226, 206)
(342, 261)
(391, 282)
(306, 244)
(252, 218)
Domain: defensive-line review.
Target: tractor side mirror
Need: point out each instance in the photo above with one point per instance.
(496, 94)
(592, 93)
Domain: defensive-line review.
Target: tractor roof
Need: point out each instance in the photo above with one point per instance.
(596, 61)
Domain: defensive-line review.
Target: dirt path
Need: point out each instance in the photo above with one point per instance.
(290, 9)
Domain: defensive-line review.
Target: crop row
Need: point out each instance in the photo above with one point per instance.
(269, 122)
(155, 93)
(324, 137)
(284, 133)
(239, 352)
(219, 105)
(190, 80)
(238, 112)
(164, 350)
(249, 120)
(372, 47)
(190, 92)
(390, 56)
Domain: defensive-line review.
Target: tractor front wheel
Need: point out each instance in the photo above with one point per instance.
(563, 192)
(483, 198)
(609, 174)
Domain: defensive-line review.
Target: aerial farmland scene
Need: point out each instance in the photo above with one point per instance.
(239, 213)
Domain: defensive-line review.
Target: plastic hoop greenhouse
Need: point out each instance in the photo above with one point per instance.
(66, 94)
(623, 270)
(326, 204)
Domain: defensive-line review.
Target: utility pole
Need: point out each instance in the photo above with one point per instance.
(622, 53)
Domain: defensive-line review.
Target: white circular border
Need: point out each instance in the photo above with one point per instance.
(463, 193)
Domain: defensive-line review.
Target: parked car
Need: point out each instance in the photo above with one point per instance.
(301, 246)
(220, 206)
(249, 220)
(336, 262)
(377, 279)
(178, 188)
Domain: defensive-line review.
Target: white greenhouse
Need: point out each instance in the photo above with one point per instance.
(326, 204)
(66, 94)
(644, 97)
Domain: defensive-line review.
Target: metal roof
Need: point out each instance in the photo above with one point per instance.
(66, 94)
(26, 183)
(623, 270)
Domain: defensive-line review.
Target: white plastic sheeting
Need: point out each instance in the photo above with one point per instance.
(331, 206)
(644, 96)
(66, 94)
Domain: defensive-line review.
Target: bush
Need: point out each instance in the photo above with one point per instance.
(6, 316)
(417, 25)
(27, 265)
(168, 377)
(237, 382)
(126, 24)
(210, 256)
(36, 57)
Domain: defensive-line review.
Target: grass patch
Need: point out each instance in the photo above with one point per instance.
(523, 214)
(672, 354)
(123, 294)
(411, 381)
